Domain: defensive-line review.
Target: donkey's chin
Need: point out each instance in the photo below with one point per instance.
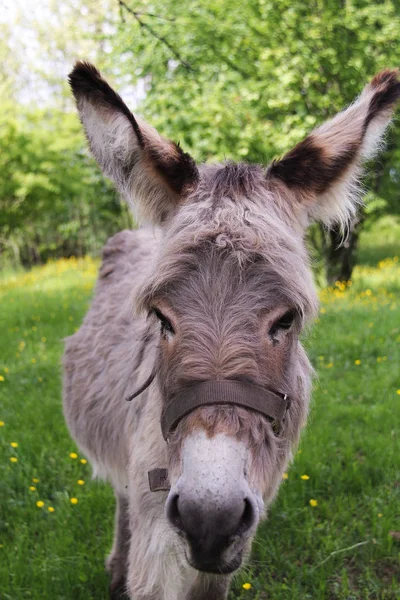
(218, 567)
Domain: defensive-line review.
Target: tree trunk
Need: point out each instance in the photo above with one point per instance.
(340, 253)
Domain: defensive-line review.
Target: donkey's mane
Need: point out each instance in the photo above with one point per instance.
(230, 179)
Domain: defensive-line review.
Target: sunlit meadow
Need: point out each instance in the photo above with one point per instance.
(333, 531)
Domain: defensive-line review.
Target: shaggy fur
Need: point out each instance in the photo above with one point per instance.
(228, 263)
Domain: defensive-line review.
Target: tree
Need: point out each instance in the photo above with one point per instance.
(53, 199)
(227, 79)
(249, 80)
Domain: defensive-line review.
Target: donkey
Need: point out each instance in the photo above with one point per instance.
(211, 357)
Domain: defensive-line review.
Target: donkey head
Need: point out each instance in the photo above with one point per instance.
(232, 290)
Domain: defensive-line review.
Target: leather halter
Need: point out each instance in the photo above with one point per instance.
(225, 391)
(272, 405)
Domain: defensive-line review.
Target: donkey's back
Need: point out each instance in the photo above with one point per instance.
(105, 356)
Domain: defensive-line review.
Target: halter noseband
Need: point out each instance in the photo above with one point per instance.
(272, 405)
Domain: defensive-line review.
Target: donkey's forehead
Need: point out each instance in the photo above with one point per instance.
(232, 218)
(230, 195)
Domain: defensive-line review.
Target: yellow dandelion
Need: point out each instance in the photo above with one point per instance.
(40, 379)
(80, 482)
(357, 362)
(83, 461)
(40, 503)
(73, 455)
(35, 480)
(33, 360)
(74, 500)
(285, 476)
(2, 378)
(322, 310)
(398, 392)
(6, 369)
(246, 586)
(14, 445)
(313, 502)
(305, 477)
(14, 459)
(50, 509)
(32, 488)
(380, 515)
(329, 365)
(2, 423)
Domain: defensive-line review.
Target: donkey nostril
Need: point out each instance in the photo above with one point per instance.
(173, 512)
(210, 527)
(247, 518)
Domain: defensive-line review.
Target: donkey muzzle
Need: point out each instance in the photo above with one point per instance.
(211, 506)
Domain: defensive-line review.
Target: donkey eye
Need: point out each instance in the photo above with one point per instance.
(284, 323)
(167, 330)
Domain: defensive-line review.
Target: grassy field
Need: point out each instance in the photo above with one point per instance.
(332, 531)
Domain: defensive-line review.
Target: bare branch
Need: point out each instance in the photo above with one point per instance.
(138, 17)
(149, 14)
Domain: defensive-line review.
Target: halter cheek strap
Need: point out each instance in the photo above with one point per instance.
(272, 405)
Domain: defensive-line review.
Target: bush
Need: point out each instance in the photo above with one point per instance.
(54, 202)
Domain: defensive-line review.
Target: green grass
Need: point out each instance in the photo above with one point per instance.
(339, 549)
(379, 239)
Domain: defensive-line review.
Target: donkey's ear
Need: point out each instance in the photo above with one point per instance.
(323, 170)
(152, 173)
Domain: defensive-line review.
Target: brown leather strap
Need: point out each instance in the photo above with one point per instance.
(207, 393)
(143, 387)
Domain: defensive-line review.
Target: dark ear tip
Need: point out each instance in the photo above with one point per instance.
(83, 74)
(386, 80)
(385, 87)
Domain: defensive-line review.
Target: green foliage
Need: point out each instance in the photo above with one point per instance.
(340, 549)
(53, 199)
(262, 73)
(247, 81)
(227, 79)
